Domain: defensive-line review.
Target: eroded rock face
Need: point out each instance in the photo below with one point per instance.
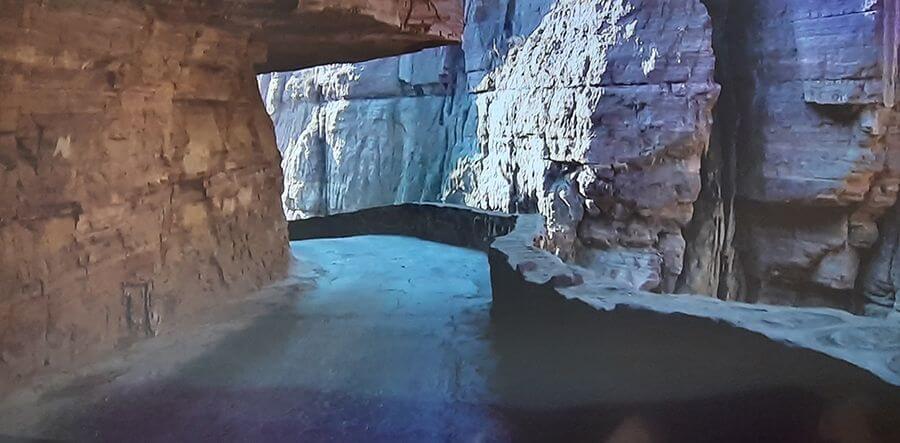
(601, 115)
(596, 114)
(814, 158)
(139, 166)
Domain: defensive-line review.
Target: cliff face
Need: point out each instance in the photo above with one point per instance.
(139, 166)
(599, 115)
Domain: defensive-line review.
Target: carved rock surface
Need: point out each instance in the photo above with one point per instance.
(139, 168)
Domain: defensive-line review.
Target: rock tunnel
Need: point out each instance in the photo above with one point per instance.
(139, 163)
(585, 220)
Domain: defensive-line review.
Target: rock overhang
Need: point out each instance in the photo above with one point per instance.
(294, 34)
(290, 34)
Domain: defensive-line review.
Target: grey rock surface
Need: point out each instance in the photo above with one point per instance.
(357, 136)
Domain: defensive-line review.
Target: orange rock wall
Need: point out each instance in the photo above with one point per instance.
(140, 174)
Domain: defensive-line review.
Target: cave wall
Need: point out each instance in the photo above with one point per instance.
(140, 168)
(599, 115)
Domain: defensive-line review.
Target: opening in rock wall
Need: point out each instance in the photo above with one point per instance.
(515, 137)
(839, 114)
(617, 184)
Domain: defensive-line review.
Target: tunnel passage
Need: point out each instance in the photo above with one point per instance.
(401, 339)
(144, 168)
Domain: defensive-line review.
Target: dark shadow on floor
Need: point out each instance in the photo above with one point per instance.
(568, 372)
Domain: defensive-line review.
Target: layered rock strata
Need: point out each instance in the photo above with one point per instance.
(814, 161)
(139, 166)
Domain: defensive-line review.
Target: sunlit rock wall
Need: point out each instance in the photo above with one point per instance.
(364, 135)
(596, 114)
(599, 117)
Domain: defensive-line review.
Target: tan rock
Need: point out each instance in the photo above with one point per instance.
(137, 160)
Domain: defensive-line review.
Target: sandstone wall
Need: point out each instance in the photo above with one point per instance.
(139, 166)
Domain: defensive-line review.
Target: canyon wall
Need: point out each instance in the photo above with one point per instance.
(599, 115)
(814, 172)
(357, 136)
(139, 166)
(596, 114)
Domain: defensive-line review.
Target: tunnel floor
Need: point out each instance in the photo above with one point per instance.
(390, 346)
(396, 341)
